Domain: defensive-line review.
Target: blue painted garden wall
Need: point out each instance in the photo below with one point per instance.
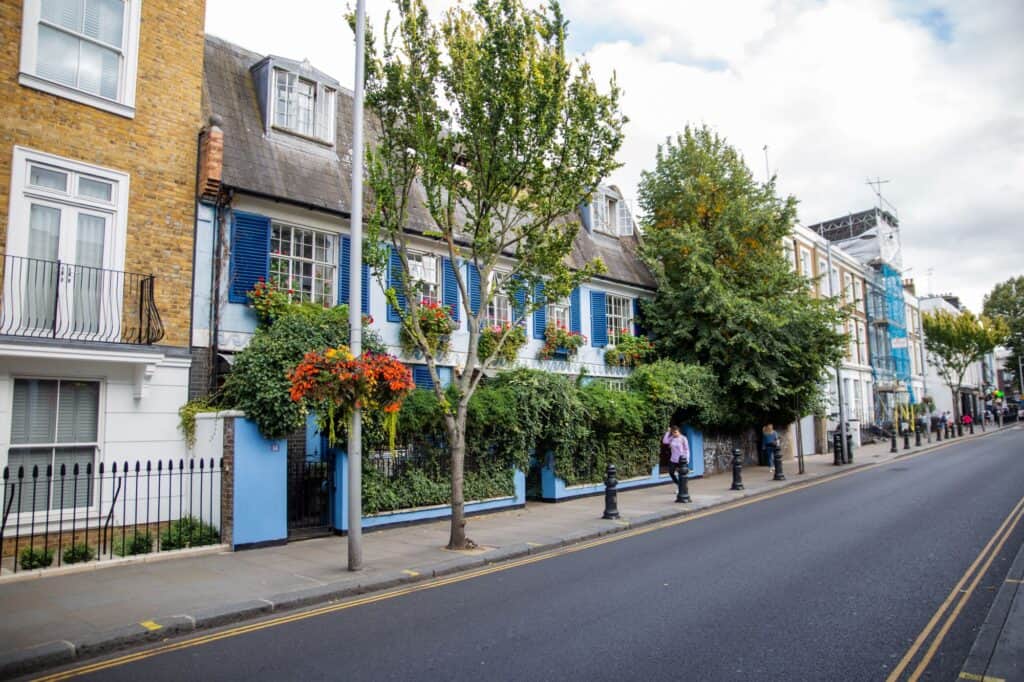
(260, 506)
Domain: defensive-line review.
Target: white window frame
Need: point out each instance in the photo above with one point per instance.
(22, 193)
(429, 290)
(806, 266)
(124, 105)
(499, 307)
(847, 288)
(327, 299)
(600, 209)
(862, 343)
(556, 311)
(625, 219)
(617, 320)
(54, 514)
(325, 100)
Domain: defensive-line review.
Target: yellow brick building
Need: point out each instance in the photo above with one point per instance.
(99, 122)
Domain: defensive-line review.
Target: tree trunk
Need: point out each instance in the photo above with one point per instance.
(457, 442)
(956, 406)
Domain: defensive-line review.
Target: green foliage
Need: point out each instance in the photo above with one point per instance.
(727, 299)
(258, 383)
(502, 342)
(187, 417)
(1006, 302)
(955, 341)
(133, 544)
(79, 553)
(435, 326)
(630, 351)
(268, 302)
(679, 393)
(483, 123)
(188, 532)
(32, 558)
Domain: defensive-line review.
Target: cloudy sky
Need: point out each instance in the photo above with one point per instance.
(926, 95)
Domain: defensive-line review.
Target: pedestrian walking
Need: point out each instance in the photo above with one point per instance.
(769, 443)
(679, 452)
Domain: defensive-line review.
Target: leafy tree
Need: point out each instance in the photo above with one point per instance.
(1006, 302)
(727, 298)
(955, 341)
(485, 138)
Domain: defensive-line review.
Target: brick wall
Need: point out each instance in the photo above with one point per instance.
(227, 483)
(157, 148)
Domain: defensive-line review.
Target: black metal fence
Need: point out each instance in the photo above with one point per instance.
(71, 514)
(65, 301)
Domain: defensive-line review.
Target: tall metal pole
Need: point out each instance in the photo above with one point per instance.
(839, 377)
(355, 288)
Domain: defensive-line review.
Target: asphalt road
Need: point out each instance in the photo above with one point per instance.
(832, 582)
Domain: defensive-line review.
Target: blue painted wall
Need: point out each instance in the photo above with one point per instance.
(260, 487)
(340, 502)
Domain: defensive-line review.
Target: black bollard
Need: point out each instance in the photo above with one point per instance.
(971, 427)
(778, 466)
(917, 438)
(737, 470)
(684, 485)
(906, 439)
(959, 430)
(849, 448)
(892, 445)
(611, 499)
(837, 449)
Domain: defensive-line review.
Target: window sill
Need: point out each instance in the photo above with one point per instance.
(43, 85)
(302, 136)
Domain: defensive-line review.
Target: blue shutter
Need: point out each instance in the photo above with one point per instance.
(540, 315)
(474, 288)
(344, 289)
(598, 320)
(421, 377)
(395, 282)
(365, 302)
(637, 328)
(450, 294)
(575, 324)
(519, 297)
(250, 254)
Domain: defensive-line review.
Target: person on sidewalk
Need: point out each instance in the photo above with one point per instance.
(679, 452)
(770, 443)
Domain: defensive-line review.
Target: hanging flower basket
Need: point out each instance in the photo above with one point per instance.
(491, 335)
(437, 326)
(560, 343)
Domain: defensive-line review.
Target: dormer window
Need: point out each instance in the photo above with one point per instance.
(611, 215)
(303, 106)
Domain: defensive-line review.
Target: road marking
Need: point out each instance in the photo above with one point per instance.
(1014, 580)
(469, 575)
(534, 544)
(980, 678)
(412, 573)
(151, 625)
(997, 540)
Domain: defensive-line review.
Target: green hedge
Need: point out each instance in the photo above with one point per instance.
(520, 412)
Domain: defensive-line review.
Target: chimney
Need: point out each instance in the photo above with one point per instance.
(211, 160)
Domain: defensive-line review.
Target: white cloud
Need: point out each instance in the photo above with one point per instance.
(839, 91)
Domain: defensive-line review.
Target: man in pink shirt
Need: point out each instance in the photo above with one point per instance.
(680, 450)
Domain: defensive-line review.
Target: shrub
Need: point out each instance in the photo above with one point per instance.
(630, 351)
(188, 532)
(80, 553)
(258, 383)
(558, 339)
(131, 545)
(32, 558)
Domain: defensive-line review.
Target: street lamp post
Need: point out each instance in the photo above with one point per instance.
(355, 317)
(839, 364)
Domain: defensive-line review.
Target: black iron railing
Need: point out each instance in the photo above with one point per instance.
(74, 513)
(52, 299)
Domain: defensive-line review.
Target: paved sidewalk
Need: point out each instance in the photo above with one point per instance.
(56, 618)
(998, 652)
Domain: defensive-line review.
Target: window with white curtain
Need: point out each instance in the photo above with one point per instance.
(305, 262)
(425, 270)
(558, 314)
(619, 317)
(54, 422)
(85, 50)
(303, 106)
(499, 309)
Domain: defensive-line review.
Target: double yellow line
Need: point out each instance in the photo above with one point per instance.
(957, 599)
